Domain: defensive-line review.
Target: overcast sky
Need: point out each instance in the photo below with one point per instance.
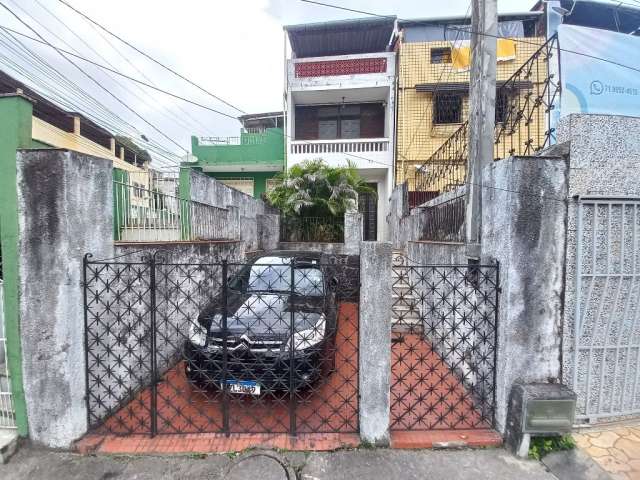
(232, 48)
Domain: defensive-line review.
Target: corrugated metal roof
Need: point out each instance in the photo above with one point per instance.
(608, 16)
(461, 19)
(342, 37)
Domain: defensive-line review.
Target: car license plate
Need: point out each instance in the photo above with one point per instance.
(244, 387)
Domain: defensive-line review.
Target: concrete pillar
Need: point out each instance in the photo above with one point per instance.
(112, 146)
(352, 232)
(375, 342)
(56, 229)
(268, 231)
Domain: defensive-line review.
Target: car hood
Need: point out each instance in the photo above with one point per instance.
(267, 316)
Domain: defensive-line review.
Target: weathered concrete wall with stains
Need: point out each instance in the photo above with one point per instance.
(523, 228)
(66, 206)
(210, 191)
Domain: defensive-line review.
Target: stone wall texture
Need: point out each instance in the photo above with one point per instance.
(65, 200)
(604, 152)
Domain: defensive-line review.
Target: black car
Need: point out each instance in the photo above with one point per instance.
(264, 317)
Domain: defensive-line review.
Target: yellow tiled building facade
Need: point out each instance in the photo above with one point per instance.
(432, 100)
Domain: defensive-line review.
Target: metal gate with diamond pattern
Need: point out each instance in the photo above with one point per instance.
(444, 335)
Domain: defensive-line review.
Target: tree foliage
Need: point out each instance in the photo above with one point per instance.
(313, 189)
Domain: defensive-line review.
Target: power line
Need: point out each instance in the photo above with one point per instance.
(468, 30)
(115, 97)
(104, 67)
(193, 121)
(62, 97)
(150, 57)
(348, 9)
(424, 116)
(143, 101)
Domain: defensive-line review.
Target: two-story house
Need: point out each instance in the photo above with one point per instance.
(248, 162)
(340, 104)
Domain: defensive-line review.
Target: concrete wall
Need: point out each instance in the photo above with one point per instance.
(243, 208)
(328, 248)
(403, 224)
(604, 161)
(523, 228)
(375, 342)
(66, 207)
(436, 253)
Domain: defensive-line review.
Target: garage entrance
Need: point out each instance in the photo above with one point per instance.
(266, 346)
(444, 334)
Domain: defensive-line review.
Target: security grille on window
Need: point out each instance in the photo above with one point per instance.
(447, 108)
(441, 55)
(502, 106)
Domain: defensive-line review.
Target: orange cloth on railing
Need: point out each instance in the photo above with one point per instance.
(461, 53)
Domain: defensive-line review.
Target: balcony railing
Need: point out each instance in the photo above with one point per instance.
(356, 145)
(143, 215)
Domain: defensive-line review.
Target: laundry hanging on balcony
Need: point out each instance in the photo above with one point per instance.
(461, 53)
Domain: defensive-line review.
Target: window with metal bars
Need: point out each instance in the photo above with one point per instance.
(441, 55)
(502, 106)
(447, 108)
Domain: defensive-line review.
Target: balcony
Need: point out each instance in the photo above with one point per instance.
(363, 152)
(358, 145)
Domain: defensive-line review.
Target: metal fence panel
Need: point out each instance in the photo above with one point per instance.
(267, 347)
(607, 329)
(444, 343)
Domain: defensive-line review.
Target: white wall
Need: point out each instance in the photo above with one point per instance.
(374, 166)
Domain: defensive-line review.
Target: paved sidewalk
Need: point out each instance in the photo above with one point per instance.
(372, 464)
(615, 447)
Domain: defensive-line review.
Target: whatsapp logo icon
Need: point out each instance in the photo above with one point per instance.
(596, 87)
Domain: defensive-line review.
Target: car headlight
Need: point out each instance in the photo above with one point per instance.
(310, 337)
(197, 334)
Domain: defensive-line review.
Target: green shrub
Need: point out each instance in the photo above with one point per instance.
(541, 446)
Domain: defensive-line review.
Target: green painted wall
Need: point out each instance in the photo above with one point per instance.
(255, 149)
(184, 192)
(15, 133)
(121, 201)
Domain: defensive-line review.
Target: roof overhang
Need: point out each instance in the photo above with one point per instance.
(457, 20)
(463, 87)
(342, 37)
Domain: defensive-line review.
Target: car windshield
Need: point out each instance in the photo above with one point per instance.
(273, 274)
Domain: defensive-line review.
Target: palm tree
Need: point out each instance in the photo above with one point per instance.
(313, 189)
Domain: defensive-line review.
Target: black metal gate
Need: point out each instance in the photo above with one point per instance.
(444, 339)
(267, 346)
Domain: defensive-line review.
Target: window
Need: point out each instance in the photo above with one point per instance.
(502, 106)
(447, 108)
(441, 55)
(245, 185)
(340, 121)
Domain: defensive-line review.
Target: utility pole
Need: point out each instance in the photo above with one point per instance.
(482, 106)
